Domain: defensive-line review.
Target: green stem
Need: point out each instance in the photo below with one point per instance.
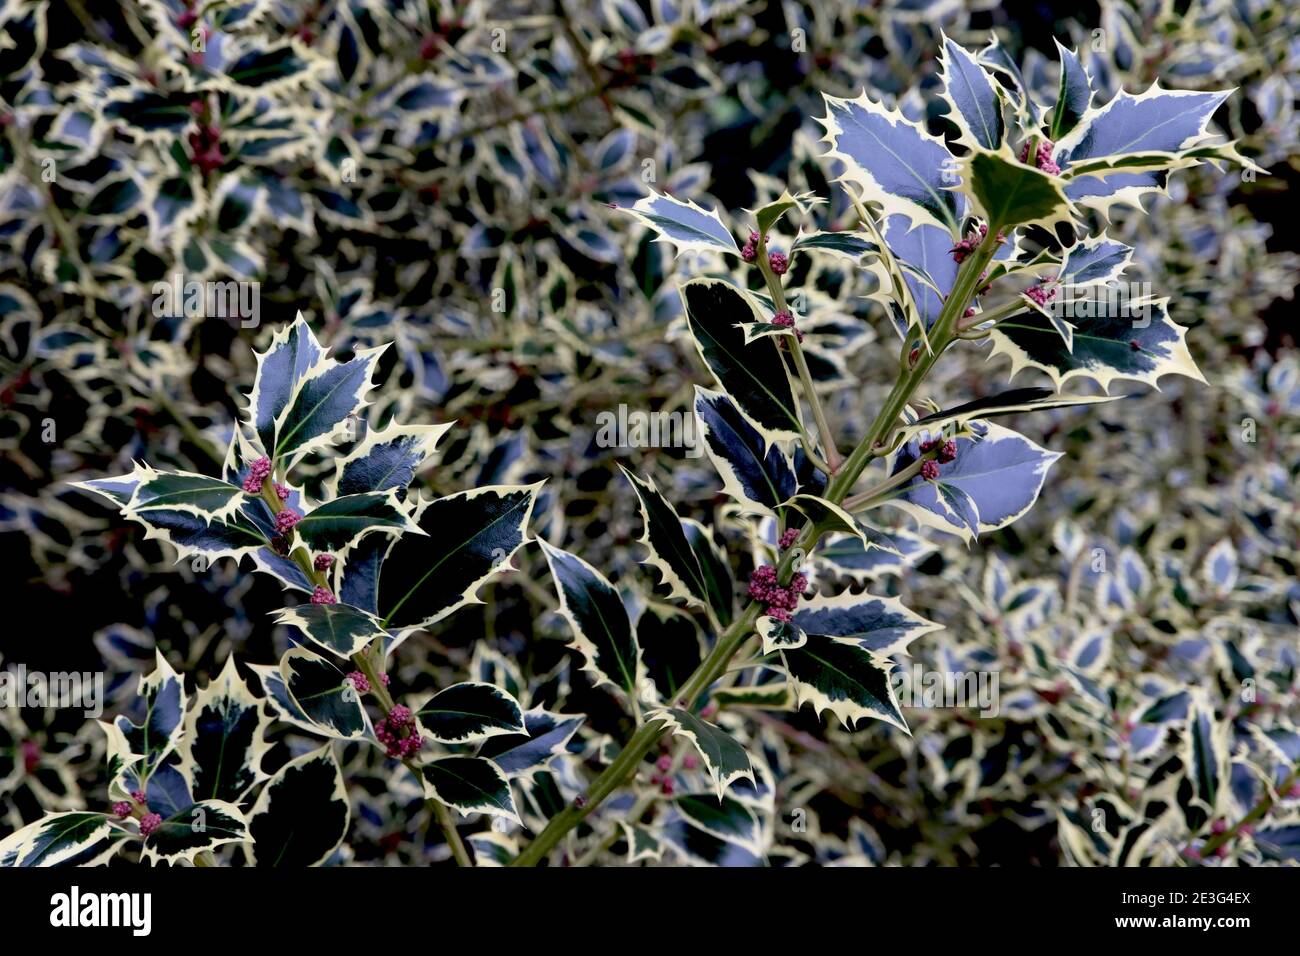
(646, 736)
(867, 499)
(993, 315)
(717, 660)
(777, 291)
(362, 662)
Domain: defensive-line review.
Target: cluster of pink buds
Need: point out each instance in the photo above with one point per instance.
(661, 779)
(788, 537)
(944, 452)
(137, 796)
(205, 142)
(786, 321)
(947, 449)
(750, 251)
(390, 730)
(779, 262)
(322, 595)
(1042, 158)
(323, 562)
(281, 491)
(150, 822)
(121, 809)
(359, 682)
(1042, 293)
(286, 519)
(780, 601)
(257, 473)
(973, 238)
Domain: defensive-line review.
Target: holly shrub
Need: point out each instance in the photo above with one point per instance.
(637, 433)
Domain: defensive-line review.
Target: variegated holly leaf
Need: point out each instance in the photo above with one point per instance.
(995, 57)
(642, 843)
(1153, 121)
(318, 413)
(976, 105)
(923, 250)
(470, 711)
(878, 624)
(670, 553)
(491, 848)
(777, 634)
(724, 759)
(225, 739)
(337, 525)
(546, 736)
(725, 818)
(769, 215)
(63, 839)
(892, 161)
(301, 815)
(999, 475)
(341, 629)
(189, 533)
(602, 631)
(1008, 192)
(827, 515)
(754, 472)
(1100, 193)
(263, 68)
(774, 696)
(850, 682)
(883, 551)
(699, 848)
(1207, 753)
(1094, 261)
(1073, 97)
(686, 226)
(389, 458)
(714, 570)
(282, 706)
(154, 738)
(119, 490)
(293, 353)
(320, 691)
(204, 497)
(752, 374)
(853, 246)
(1140, 346)
(470, 785)
(1011, 402)
(469, 537)
(206, 825)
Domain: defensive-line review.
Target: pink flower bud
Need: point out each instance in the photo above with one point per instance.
(286, 519)
(359, 681)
